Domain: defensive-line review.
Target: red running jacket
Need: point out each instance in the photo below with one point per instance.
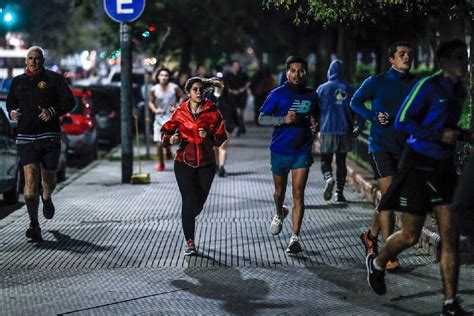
(194, 150)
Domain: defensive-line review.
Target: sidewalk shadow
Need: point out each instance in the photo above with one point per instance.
(226, 284)
(242, 173)
(328, 206)
(65, 242)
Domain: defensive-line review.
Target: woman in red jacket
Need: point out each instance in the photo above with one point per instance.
(197, 126)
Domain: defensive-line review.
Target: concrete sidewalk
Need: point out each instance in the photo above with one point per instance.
(116, 249)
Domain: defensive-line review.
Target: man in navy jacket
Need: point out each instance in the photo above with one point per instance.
(36, 100)
(427, 177)
(386, 93)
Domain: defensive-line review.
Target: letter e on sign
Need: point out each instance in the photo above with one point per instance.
(124, 10)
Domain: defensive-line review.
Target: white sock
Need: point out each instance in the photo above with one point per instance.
(294, 236)
(450, 301)
(376, 266)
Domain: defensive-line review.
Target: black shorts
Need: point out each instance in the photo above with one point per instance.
(384, 163)
(45, 152)
(430, 183)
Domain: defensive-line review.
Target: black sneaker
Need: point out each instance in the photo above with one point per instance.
(375, 278)
(453, 309)
(48, 208)
(222, 172)
(340, 198)
(294, 246)
(34, 233)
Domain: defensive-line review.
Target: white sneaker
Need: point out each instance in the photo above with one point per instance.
(328, 189)
(277, 222)
(294, 246)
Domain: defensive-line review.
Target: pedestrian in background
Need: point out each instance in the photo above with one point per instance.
(220, 97)
(182, 78)
(386, 93)
(7, 81)
(197, 126)
(237, 82)
(427, 176)
(164, 97)
(36, 100)
(337, 129)
(293, 109)
(261, 84)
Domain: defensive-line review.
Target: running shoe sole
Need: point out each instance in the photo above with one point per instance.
(190, 253)
(328, 189)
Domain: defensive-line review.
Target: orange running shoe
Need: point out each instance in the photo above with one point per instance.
(393, 265)
(370, 243)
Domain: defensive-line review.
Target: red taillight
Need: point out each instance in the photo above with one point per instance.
(112, 114)
(76, 124)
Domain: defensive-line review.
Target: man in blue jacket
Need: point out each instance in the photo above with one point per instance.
(427, 177)
(336, 129)
(386, 93)
(293, 109)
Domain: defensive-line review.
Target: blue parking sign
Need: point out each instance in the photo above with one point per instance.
(124, 10)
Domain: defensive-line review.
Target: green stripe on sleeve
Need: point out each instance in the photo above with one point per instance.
(414, 94)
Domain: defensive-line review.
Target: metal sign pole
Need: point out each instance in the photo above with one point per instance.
(126, 101)
(147, 120)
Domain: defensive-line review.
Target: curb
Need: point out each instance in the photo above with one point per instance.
(430, 241)
(22, 211)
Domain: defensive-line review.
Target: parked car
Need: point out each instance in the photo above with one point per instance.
(9, 173)
(80, 126)
(3, 105)
(106, 108)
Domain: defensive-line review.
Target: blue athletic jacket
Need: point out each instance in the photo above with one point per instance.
(335, 95)
(386, 93)
(296, 138)
(435, 103)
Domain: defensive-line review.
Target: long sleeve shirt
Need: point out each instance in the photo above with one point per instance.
(434, 104)
(386, 93)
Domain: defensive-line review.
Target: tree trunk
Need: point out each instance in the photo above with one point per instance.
(471, 77)
(323, 57)
(186, 52)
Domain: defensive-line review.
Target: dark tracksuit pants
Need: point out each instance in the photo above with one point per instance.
(341, 168)
(194, 185)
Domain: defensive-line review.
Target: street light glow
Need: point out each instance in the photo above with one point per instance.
(8, 17)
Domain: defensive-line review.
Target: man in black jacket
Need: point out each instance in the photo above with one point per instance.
(36, 100)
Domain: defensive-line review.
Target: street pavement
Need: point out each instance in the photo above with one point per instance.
(115, 249)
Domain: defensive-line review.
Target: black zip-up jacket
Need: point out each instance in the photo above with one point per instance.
(47, 90)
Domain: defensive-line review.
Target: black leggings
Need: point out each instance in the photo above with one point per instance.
(194, 185)
(341, 169)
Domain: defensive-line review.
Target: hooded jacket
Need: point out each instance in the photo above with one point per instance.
(386, 93)
(31, 93)
(335, 95)
(194, 150)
